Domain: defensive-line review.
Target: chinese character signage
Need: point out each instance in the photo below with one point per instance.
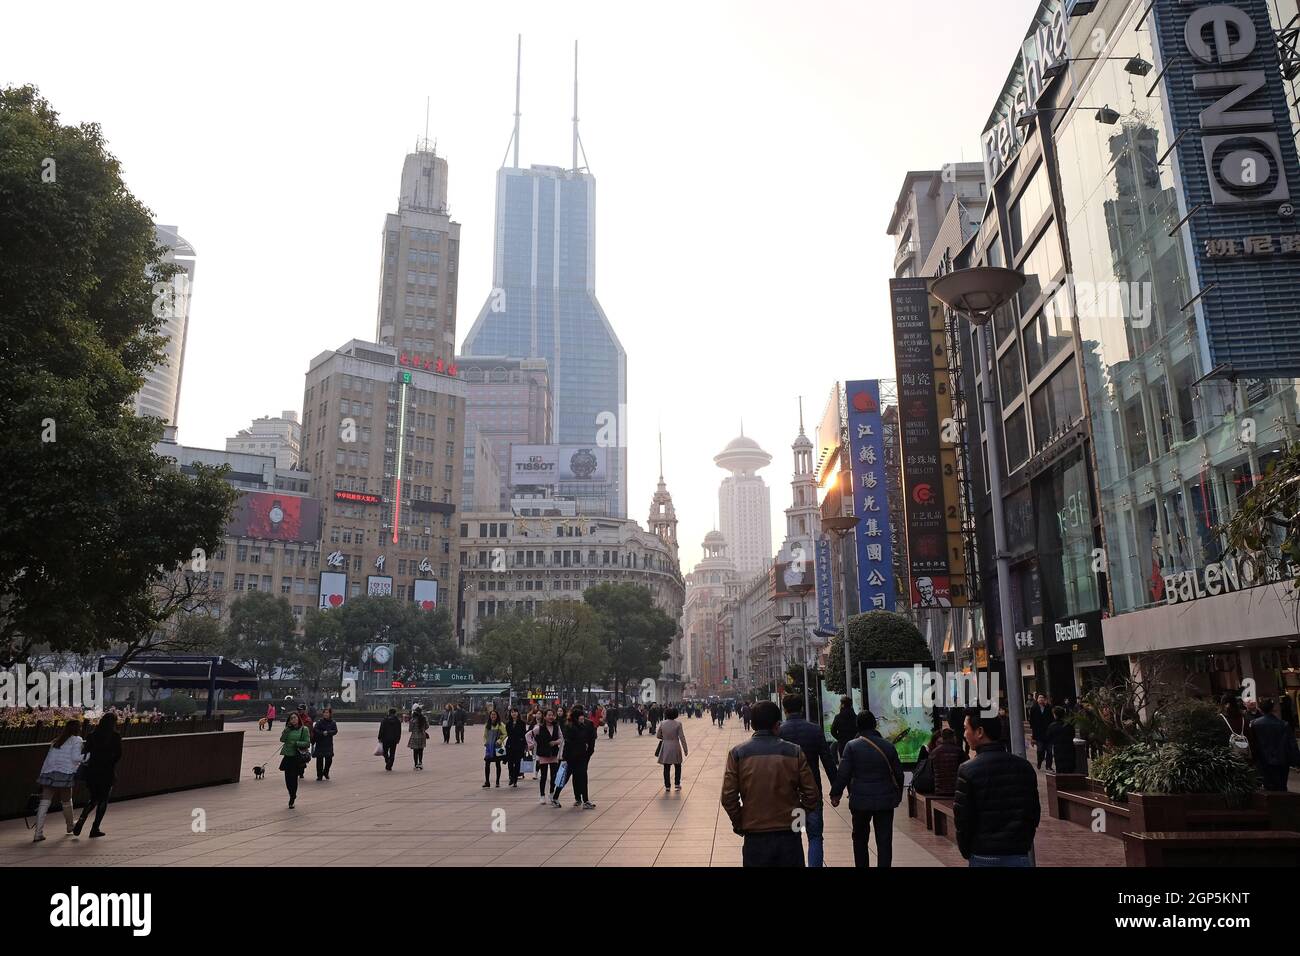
(1227, 103)
(825, 586)
(870, 502)
(927, 435)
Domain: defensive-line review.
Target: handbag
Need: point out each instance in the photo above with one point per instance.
(528, 765)
(561, 776)
(379, 751)
(659, 749)
(923, 777)
(1236, 740)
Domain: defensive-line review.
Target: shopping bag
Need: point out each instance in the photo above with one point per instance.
(528, 765)
(561, 777)
(379, 751)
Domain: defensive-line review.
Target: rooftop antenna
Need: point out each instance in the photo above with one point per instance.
(514, 136)
(800, 414)
(426, 119)
(661, 455)
(575, 105)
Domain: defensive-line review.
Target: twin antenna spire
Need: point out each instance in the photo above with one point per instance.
(514, 136)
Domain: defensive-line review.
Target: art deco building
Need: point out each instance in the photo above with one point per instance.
(745, 505)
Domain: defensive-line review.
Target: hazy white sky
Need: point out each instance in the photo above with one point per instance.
(747, 157)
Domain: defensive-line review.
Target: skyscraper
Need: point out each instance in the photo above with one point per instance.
(417, 292)
(160, 396)
(745, 505)
(543, 305)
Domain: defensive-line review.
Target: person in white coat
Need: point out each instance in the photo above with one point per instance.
(59, 774)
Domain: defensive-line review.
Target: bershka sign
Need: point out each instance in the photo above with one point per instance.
(1047, 45)
(1071, 632)
(1225, 577)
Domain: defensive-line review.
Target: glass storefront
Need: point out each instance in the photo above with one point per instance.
(1174, 454)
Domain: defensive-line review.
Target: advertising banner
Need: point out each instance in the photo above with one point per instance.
(333, 589)
(426, 594)
(825, 585)
(905, 723)
(275, 516)
(1223, 89)
(870, 500)
(379, 585)
(551, 464)
(935, 548)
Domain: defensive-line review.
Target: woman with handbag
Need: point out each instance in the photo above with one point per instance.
(295, 743)
(546, 740)
(516, 745)
(104, 749)
(672, 745)
(419, 735)
(494, 737)
(59, 775)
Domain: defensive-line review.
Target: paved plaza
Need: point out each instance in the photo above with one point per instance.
(441, 816)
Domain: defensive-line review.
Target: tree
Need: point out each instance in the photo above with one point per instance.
(314, 655)
(569, 633)
(635, 633)
(509, 647)
(260, 631)
(421, 638)
(880, 636)
(94, 521)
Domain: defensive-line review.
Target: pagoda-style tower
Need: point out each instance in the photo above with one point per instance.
(663, 517)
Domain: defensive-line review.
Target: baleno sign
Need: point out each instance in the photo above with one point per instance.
(1224, 577)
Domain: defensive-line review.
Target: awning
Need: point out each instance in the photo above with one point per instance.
(191, 673)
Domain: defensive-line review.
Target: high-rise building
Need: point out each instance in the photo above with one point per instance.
(280, 437)
(508, 402)
(481, 479)
(705, 659)
(160, 396)
(931, 205)
(417, 292)
(543, 305)
(745, 505)
(382, 441)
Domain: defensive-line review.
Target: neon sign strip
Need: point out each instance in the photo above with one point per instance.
(401, 457)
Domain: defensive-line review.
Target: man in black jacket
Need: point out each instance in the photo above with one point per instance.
(1273, 745)
(1040, 717)
(798, 730)
(458, 722)
(390, 735)
(996, 806)
(870, 768)
(845, 725)
(1058, 740)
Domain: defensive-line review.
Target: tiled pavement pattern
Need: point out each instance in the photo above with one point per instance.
(440, 816)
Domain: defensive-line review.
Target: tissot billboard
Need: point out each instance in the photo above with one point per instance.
(551, 464)
(1224, 95)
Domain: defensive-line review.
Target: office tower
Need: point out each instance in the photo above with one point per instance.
(543, 305)
(508, 402)
(745, 505)
(160, 396)
(417, 298)
(280, 437)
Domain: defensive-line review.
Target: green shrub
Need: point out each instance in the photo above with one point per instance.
(1186, 768)
(1195, 723)
(881, 636)
(178, 705)
(1118, 770)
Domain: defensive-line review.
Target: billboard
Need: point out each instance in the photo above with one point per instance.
(551, 464)
(1226, 100)
(870, 500)
(936, 550)
(333, 589)
(275, 516)
(379, 585)
(425, 594)
(902, 721)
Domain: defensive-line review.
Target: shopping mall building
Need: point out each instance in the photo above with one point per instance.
(1142, 168)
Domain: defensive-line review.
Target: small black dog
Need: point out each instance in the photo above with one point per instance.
(259, 772)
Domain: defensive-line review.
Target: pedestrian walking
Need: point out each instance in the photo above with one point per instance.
(810, 738)
(640, 719)
(672, 749)
(1059, 741)
(656, 714)
(390, 735)
(871, 770)
(494, 737)
(295, 744)
(269, 719)
(845, 725)
(446, 723)
(417, 735)
(59, 774)
(611, 720)
(745, 710)
(996, 806)
(1040, 717)
(323, 733)
(1274, 747)
(458, 723)
(103, 752)
(579, 745)
(546, 741)
(516, 744)
(768, 784)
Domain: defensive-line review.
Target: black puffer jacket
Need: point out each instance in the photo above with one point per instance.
(996, 803)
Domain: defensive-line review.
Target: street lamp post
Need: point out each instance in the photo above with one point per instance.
(784, 619)
(840, 526)
(975, 294)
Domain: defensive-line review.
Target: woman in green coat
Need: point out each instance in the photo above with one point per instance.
(494, 736)
(295, 743)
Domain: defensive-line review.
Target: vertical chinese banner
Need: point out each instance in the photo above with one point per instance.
(870, 502)
(927, 438)
(825, 587)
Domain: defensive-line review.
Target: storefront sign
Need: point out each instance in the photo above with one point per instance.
(870, 501)
(1080, 632)
(825, 586)
(1227, 105)
(1224, 577)
(358, 497)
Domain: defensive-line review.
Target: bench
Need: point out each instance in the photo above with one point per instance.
(943, 818)
(1154, 848)
(1077, 806)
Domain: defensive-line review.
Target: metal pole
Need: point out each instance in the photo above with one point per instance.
(1011, 664)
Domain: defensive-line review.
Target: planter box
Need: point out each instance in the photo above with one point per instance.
(154, 763)
(1214, 848)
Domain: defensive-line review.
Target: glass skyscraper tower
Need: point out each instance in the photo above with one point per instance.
(543, 305)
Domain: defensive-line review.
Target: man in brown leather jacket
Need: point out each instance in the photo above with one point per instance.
(767, 790)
